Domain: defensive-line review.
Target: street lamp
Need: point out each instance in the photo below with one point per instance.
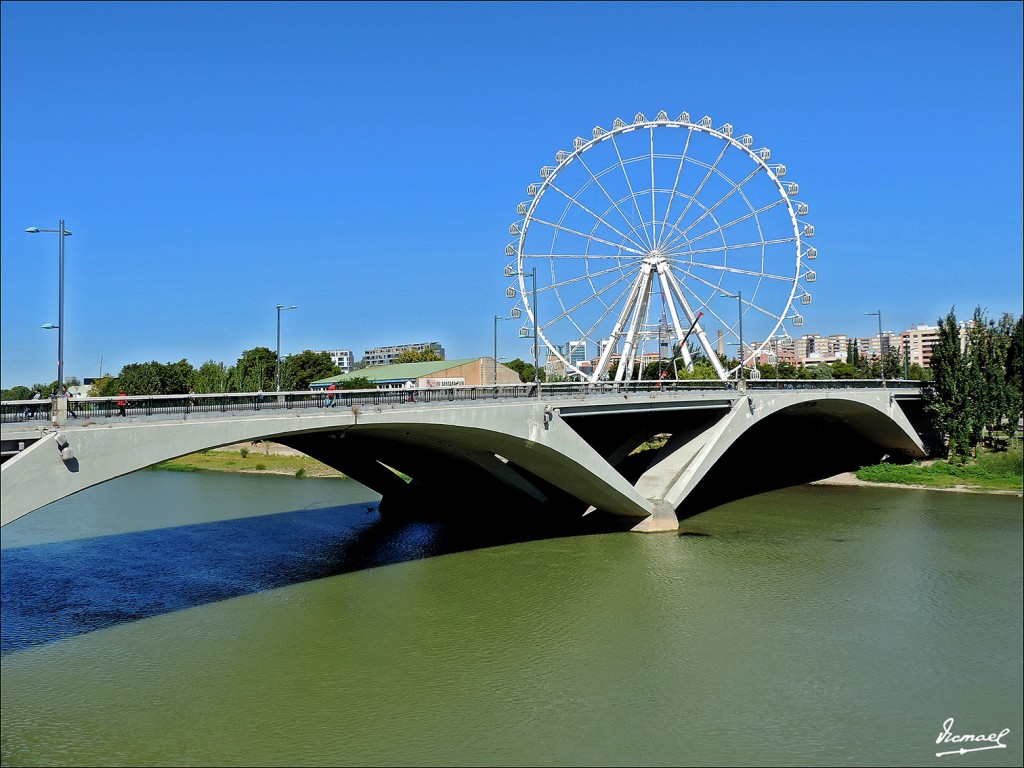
(60, 302)
(496, 319)
(280, 308)
(739, 301)
(509, 272)
(881, 353)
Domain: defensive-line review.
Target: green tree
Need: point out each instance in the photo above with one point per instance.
(256, 370)
(308, 366)
(892, 363)
(1014, 373)
(418, 356)
(525, 370)
(19, 392)
(356, 382)
(106, 386)
(140, 378)
(949, 399)
(176, 378)
(211, 377)
(843, 370)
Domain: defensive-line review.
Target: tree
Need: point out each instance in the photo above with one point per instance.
(256, 370)
(525, 370)
(948, 400)
(418, 356)
(105, 386)
(1014, 374)
(356, 382)
(19, 392)
(210, 377)
(140, 378)
(299, 370)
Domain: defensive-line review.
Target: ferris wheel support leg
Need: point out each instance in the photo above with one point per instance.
(613, 339)
(676, 325)
(628, 360)
(698, 328)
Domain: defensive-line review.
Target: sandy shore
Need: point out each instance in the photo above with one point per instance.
(849, 478)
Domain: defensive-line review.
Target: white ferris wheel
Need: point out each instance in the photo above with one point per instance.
(660, 235)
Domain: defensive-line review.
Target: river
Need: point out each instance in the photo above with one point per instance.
(207, 619)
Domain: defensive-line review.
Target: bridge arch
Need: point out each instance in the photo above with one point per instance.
(543, 449)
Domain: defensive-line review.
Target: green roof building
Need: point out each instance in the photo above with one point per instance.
(470, 371)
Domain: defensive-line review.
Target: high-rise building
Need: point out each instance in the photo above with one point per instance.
(918, 341)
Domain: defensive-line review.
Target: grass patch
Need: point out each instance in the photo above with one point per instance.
(227, 461)
(991, 471)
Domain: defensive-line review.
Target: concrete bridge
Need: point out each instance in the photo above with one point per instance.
(564, 445)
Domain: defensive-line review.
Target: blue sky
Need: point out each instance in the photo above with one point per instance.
(364, 161)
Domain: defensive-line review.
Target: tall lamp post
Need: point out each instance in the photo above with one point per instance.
(495, 360)
(739, 301)
(532, 275)
(280, 308)
(61, 232)
(881, 352)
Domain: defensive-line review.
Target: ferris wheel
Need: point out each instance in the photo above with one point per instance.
(656, 239)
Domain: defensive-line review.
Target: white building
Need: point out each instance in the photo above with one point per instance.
(342, 358)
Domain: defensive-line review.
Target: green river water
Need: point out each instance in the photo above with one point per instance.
(200, 619)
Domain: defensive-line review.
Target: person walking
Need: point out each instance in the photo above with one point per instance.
(410, 390)
(30, 411)
(122, 404)
(330, 395)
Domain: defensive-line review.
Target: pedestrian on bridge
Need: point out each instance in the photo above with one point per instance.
(410, 390)
(330, 395)
(122, 404)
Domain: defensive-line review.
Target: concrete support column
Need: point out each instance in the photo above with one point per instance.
(59, 414)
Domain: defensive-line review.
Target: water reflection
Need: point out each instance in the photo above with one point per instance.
(61, 589)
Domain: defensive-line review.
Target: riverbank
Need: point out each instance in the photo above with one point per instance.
(851, 479)
(276, 459)
(251, 458)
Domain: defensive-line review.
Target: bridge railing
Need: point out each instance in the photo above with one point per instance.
(92, 408)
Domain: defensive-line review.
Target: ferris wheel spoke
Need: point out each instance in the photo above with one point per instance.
(584, 302)
(588, 276)
(675, 188)
(592, 238)
(676, 289)
(708, 211)
(696, 192)
(737, 271)
(611, 199)
(573, 200)
(654, 213)
(682, 255)
(745, 217)
(609, 308)
(632, 194)
(582, 256)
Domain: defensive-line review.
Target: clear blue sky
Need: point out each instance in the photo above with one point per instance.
(364, 161)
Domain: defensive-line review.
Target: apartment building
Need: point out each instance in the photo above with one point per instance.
(388, 355)
(918, 341)
(342, 358)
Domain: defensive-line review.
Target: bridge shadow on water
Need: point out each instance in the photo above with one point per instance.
(60, 590)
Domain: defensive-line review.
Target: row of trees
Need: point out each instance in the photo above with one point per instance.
(977, 374)
(254, 371)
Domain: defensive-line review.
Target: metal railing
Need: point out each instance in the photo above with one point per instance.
(129, 406)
